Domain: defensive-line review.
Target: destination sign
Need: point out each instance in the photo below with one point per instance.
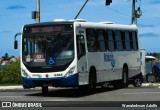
(34, 29)
(47, 29)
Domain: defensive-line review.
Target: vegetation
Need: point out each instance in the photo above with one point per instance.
(157, 55)
(10, 74)
(6, 57)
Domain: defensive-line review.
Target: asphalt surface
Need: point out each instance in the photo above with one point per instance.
(20, 87)
(73, 97)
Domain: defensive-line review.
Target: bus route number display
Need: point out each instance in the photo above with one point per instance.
(38, 58)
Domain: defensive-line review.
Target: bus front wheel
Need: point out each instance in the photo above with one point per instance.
(45, 90)
(92, 79)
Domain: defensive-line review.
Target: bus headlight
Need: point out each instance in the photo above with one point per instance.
(25, 74)
(71, 71)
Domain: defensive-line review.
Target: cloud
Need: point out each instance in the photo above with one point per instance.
(16, 7)
(2, 15)
(5, 32)
(145, 25)
(148, 35)
(155, 2)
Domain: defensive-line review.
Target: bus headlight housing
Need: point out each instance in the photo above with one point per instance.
(24, 73)
(71, 71)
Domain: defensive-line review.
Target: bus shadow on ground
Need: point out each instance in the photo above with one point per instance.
(72, 92)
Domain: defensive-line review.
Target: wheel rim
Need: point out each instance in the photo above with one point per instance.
(138, 82)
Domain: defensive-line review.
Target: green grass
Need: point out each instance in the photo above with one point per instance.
(10, 84)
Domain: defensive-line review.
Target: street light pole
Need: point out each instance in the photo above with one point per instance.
(38, 11)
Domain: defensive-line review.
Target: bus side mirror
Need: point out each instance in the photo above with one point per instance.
(15, 41)
(15, 44)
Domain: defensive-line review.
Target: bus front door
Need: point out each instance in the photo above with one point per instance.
(82, 60)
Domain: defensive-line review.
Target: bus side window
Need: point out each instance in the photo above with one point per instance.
(123, 40)
(106, 40)
(92, 43)
(80, 46)
(127, 41)
(114, 40)
(135, 42)
(101, 40)
(136, 35)
(118, 40)
(111, 45)
(131, 40)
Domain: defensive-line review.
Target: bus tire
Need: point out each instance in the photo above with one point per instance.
(92, 79)
(45, 90)
(137, 82)
(124, 83)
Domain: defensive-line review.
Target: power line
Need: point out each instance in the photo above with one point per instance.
(101, 4)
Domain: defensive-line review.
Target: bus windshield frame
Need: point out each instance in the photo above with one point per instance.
(48, 48)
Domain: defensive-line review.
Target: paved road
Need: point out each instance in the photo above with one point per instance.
(99, 97)
(71, 94)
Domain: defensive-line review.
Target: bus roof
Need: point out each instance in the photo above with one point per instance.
(106, 25)
(89, 25)
(49, 23)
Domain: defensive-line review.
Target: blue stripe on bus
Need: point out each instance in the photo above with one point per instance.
(69, 81)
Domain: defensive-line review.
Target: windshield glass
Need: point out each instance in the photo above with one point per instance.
(48, 50)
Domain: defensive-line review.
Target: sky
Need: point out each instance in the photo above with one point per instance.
(14, 14)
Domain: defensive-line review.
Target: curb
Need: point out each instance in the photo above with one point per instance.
(10, 87)
(150, 84)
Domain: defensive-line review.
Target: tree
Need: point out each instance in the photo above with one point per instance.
(6, 56)
(12, 57)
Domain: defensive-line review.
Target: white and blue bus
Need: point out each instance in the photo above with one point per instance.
(78, 53)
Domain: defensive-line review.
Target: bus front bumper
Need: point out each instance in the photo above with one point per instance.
(69, 81)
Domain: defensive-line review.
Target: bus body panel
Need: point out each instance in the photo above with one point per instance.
(105, 70)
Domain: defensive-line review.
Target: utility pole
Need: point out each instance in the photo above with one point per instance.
(36, 14)
(38, 11)
(133, 12)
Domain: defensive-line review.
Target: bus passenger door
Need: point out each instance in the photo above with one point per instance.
(82, 61)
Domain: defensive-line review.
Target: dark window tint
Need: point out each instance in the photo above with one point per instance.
(111, 45)
(118, 38)
(127, 41)
(101, 41)
(135, 42)
(80, 46)
(91, 40)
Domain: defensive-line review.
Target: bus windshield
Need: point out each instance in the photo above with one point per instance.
(48, 49)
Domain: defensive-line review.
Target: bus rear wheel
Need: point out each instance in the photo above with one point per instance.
(124, 83)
